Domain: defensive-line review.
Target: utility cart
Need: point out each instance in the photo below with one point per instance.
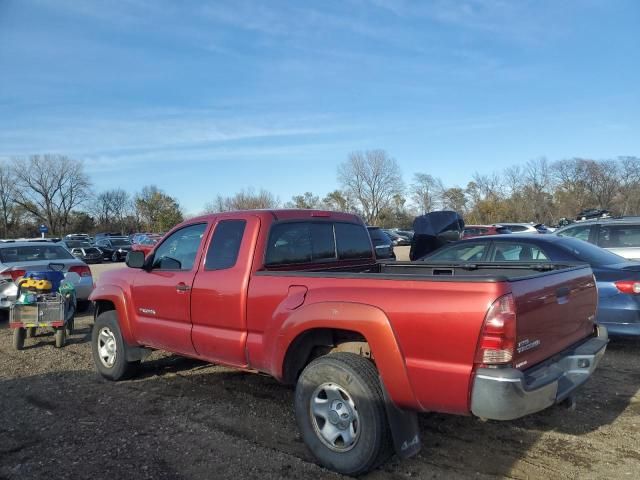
(50, 309)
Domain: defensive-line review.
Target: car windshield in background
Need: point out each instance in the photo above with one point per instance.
(378, 235)
(77, 244)
(116, 242)
(588, 252)
(502, 230)
(33, 253)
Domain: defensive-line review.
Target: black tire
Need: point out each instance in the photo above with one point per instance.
(120, 369)
(31, 332)
(356, 377)
(114, 257)
(61, 337)
(83, 306)
(18, 338)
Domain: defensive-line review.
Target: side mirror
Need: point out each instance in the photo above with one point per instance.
(135, 259)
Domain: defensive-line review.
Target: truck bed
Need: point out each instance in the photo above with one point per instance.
(441, 272)
(437, 312)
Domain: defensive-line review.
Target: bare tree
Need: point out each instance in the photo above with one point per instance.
(373, 178)
(49, 187)
(111, 207)
(7, 193)
(244, 200)
(338, 201)
(426, 192)
(306, 200)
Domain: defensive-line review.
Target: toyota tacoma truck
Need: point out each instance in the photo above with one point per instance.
(299, 295)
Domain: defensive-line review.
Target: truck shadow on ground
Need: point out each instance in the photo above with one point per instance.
(175, 401)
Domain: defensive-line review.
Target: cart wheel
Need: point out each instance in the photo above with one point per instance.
(60, 337)
(31, 332)
(18, 338)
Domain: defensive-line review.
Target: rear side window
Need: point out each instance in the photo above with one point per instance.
(517, 228)
(517, 252)
(225, 245)
(34, 253)
(581, 232)
(619, 236)
(300, 242)
(467, 252)
(353, 241)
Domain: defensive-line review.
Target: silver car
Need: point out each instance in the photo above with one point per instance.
(620, 236)
(19, 258)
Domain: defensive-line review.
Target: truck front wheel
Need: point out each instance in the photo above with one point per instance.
(341, 414)
(109, 350)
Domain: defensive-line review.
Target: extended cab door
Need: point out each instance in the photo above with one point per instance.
(219, 295)
(162, 296)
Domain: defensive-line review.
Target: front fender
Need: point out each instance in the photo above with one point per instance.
(367, 320)
(116, 296)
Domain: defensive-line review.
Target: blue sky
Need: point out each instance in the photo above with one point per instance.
(207, 98)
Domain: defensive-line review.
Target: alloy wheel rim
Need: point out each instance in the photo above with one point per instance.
(335, 418)
(107, 350)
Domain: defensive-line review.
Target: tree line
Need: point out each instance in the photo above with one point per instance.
(539, 191)
(56, 191)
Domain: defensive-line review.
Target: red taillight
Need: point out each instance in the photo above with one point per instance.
(498, 337)
(81, 270)
(16, 274)
(628, 286)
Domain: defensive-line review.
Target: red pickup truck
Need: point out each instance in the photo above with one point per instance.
(299, 295)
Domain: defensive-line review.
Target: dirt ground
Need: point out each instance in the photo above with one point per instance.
(183, 419)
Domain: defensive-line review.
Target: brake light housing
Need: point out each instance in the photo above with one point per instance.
(631, 287)
(13, 274)
(82, 270)
(497, 341)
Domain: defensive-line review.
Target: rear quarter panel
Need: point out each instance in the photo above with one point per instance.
(435, 325)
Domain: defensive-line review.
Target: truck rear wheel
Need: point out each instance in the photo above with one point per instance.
(340, 411)
(109, 350)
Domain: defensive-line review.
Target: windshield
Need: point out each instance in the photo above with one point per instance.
(588, 252)
(76, 244)
(33, 253)
(377, 235)
(116, 242)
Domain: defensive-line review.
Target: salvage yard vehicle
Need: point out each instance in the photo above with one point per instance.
(618, 235)
(471, 231)
(299, 295)
(114, 248)
(617, 279)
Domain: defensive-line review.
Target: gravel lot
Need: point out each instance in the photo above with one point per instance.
(186, 419)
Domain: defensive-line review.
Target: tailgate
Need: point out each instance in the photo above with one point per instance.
(554, 311)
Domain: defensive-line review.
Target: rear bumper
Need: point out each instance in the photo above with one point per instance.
(506, 394)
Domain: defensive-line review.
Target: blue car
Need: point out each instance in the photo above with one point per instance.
(618, 279)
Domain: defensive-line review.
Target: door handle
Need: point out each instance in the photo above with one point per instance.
(182, 287)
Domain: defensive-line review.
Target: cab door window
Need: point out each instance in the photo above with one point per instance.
(179, 250)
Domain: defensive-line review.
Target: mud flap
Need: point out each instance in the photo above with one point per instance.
(137, 353)
(404, 428)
